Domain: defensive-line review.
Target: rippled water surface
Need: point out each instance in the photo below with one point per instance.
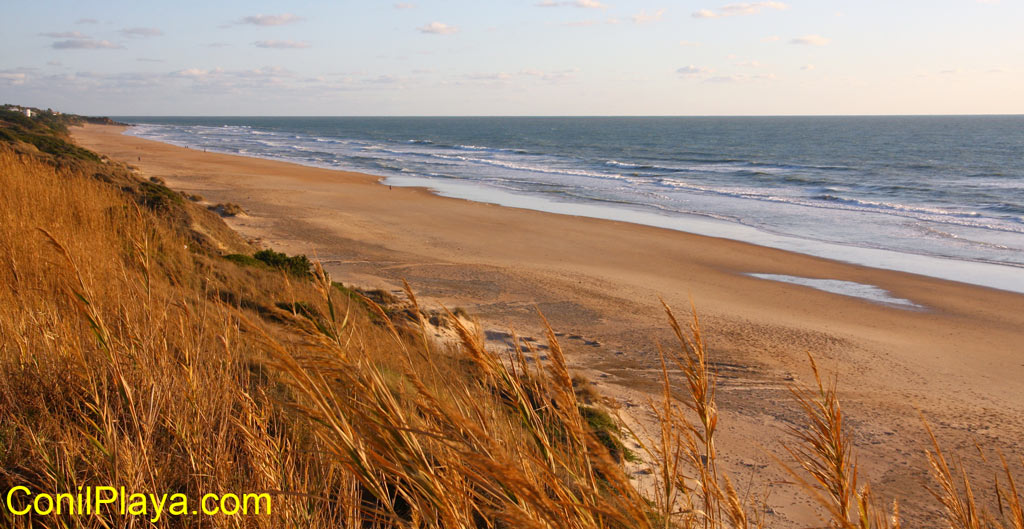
(945, 187)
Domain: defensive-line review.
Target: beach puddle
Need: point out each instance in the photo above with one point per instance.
(845, 288)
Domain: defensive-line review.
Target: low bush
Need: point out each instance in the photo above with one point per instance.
(296, 265)
(244, 260)
(228, 209)
(158, 197)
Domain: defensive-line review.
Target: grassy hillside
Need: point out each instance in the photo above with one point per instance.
(46, 131)
(143, 344)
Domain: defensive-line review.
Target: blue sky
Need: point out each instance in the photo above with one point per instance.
(507, 57)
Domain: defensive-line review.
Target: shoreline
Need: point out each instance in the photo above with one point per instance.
(989, 274)
(599, 281)
(977, 273)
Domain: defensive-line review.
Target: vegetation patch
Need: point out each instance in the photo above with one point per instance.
(608, 432)
(158, 197)
(296, 265)
(228, 209)
(300, 308)
(46, 131)
(244, 260)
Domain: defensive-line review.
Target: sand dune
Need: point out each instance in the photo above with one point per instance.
(958, 357)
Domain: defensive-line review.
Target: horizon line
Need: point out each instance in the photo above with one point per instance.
(553, 115)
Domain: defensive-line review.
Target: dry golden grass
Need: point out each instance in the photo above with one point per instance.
(129, 359)
(118, 366)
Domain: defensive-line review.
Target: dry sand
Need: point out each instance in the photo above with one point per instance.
(960, 360)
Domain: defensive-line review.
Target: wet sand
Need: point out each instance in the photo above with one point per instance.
(959, 358)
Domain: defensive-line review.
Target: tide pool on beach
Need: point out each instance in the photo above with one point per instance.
(844, 288)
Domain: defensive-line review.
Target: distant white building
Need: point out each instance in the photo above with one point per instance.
(28, 112)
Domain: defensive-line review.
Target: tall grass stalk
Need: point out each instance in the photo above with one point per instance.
(131, 356)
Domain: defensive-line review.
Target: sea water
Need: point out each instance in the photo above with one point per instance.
(936, 195)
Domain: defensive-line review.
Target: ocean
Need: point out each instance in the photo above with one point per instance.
(936, 195)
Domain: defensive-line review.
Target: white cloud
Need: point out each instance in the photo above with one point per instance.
(191, 72)
(85, 44)
(771, 38)
(267, 72)
(639, 19)
(87, 21)
(807, 67)
(217, 82)
(13, 78)
(741, 78)
(438, 28)
(498, 76)
(141, 32)
(270, 20)
(585, 4)
(740, 9)
(281, 44)
(221, 81)
(551, 76)
(383, 79)
(810, 40)
(751, 9)
(642, 17)
(692, 70)
(65, 35)
(259, 73)
(404, 5)
(689, 43)
(543, 75)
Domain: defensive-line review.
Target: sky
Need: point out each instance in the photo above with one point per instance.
(510, 57)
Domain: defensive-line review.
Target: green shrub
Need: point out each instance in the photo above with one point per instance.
(297, 265)
(157, 197)
(244, 260)
(607, 432)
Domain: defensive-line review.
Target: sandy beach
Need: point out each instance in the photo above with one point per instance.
(959, 359)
